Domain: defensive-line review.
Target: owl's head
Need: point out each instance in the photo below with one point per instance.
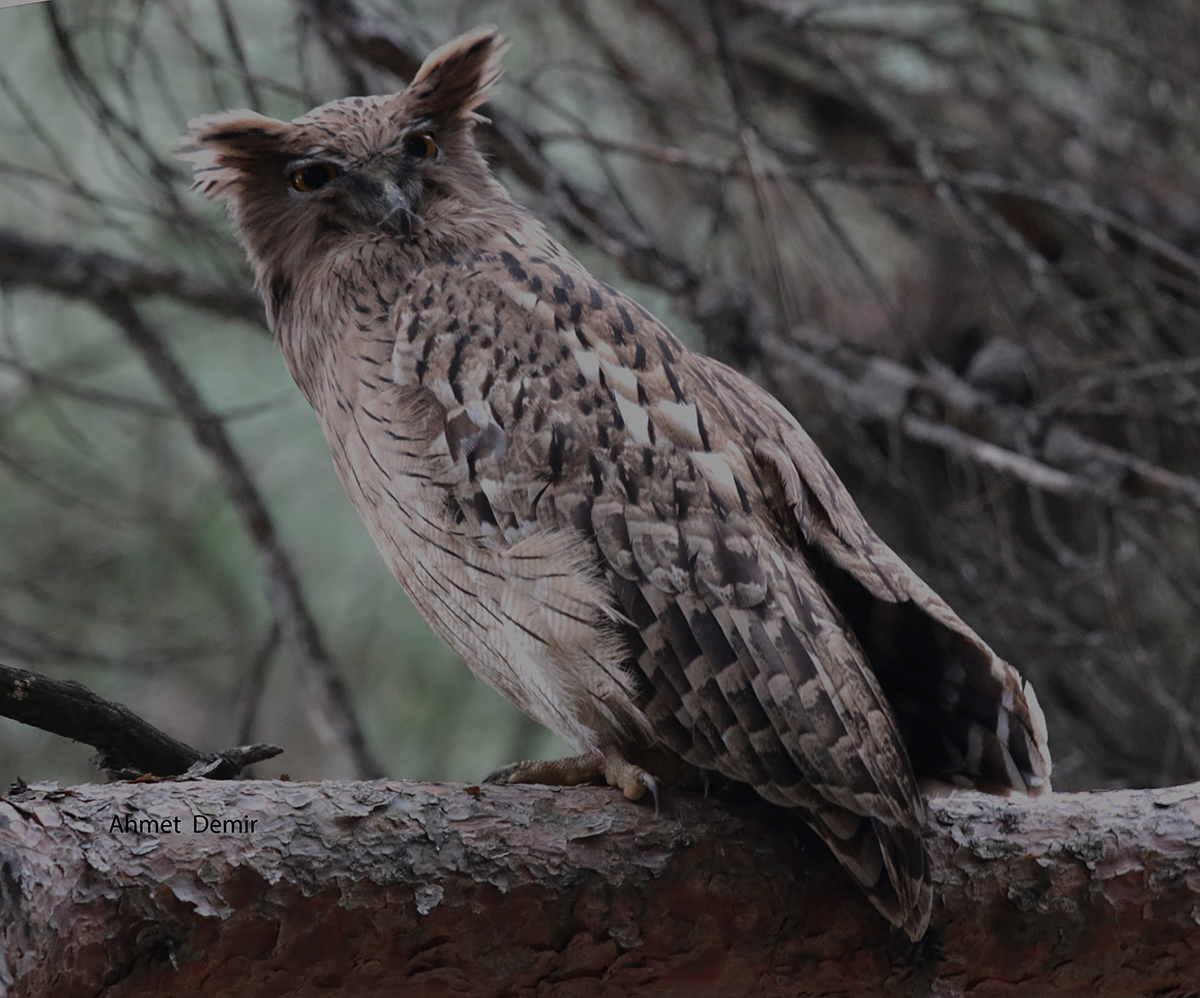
(398, 167)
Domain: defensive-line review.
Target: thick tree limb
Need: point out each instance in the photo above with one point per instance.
(422, 889)
(125, 742)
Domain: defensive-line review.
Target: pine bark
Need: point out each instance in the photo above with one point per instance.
(390, 887)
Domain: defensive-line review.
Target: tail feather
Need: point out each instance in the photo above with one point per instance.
(889, 863)
(965, 715)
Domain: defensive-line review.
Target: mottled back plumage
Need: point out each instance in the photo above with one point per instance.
(639, 546)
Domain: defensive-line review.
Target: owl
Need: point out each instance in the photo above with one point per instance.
(637, 545)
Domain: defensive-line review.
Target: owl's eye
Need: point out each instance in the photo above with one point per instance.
(420, 146)
(314, 177)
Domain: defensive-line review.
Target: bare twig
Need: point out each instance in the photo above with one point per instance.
(1111, 473)
(127, 743)
(234, 37)
(966, 447)
(256, 682)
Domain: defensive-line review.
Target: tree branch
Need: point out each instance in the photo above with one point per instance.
(125, 741)
(431, 889)
(111, 284)
(329, 705)
(1069, 464)
(91, 274)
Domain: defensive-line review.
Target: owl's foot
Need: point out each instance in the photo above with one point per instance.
(611, 766)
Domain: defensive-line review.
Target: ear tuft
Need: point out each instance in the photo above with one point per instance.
(457, 77)
(221, 147)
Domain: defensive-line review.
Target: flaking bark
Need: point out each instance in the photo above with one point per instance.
(427, 889)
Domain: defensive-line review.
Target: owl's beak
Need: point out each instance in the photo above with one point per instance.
(399, 216)
(380, 201)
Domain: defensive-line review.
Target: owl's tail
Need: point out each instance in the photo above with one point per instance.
(889, 862)
(966, 716)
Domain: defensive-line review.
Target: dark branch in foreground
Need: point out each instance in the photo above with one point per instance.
(426, 889)
(126, 743)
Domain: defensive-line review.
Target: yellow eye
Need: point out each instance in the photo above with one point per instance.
(313, 177)
(420, 146)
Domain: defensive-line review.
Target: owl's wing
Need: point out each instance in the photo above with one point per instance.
(748, 671)
(745, 664)
(780, 640)
(734, 653)
(966, 715)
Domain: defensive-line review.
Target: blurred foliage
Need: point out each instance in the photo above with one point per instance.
(932, 228)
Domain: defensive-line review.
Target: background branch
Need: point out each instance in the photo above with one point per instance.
(109, 284)
(90, 275)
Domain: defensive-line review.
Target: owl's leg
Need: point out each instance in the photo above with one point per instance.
(610, 766)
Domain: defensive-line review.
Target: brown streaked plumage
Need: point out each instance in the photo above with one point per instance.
(637, 545)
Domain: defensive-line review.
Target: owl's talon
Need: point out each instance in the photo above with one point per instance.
(503, 774)
(569, 772)
(651, 784)
(591, 767)
(633, 780)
